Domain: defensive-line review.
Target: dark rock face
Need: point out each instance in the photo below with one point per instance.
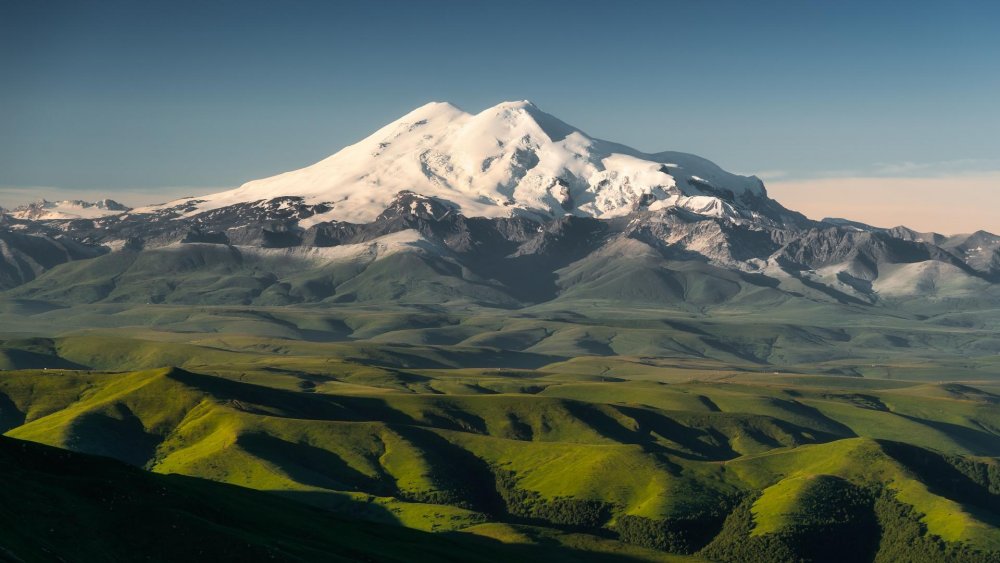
(210, 237)
(409, 205)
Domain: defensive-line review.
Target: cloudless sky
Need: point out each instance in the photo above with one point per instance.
(152, 95)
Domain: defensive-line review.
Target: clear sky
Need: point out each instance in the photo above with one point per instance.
(147, 100)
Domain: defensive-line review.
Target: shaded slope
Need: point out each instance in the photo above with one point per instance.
(70, 506)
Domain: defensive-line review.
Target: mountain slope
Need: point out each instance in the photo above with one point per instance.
(23, 256)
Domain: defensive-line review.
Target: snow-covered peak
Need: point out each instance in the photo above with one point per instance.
(508, 159)
(518, 104)
(510, 118)
(44, 210)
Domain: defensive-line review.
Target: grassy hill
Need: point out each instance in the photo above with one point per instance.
(75, 507)
(685, 458)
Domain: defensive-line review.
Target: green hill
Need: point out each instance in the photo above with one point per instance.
(680, 460)
(74, 507)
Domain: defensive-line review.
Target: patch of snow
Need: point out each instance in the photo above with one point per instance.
(403, 241)
(317, 219)
(114, 245)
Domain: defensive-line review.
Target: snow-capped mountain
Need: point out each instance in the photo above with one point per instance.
(506, 207)
(510, 159)
(67, 209)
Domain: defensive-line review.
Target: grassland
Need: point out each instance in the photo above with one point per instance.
(65, 505)
(615, 456)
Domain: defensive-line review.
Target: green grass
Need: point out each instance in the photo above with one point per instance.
(450, 439)
(69, 506)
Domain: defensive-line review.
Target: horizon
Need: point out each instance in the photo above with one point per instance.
(837, 117)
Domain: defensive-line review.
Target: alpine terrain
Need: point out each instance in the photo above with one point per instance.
(488, 337)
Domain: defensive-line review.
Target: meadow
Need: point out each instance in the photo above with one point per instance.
(544, 444)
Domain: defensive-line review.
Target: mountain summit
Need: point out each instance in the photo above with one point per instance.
(508, 160)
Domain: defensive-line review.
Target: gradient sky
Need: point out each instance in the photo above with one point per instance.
(147, 100)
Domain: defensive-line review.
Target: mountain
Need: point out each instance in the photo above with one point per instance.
(511, 159)
(67, 209)
(979, 250)
(512, 209)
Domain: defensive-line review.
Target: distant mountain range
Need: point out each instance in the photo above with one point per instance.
(44, 210)
(508, 207)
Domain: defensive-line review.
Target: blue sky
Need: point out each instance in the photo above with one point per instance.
(139, 98)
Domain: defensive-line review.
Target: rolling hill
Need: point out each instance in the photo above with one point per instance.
(723, 465)
(66, 504)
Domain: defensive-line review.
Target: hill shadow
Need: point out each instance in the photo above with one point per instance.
(976, 484)
(10, 415)
(976, 441)
(119, 434)
(312, 466)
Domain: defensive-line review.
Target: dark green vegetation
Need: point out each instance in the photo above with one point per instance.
(611, 456)
(61, 506)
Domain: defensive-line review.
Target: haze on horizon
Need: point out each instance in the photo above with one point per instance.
(866, 112)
